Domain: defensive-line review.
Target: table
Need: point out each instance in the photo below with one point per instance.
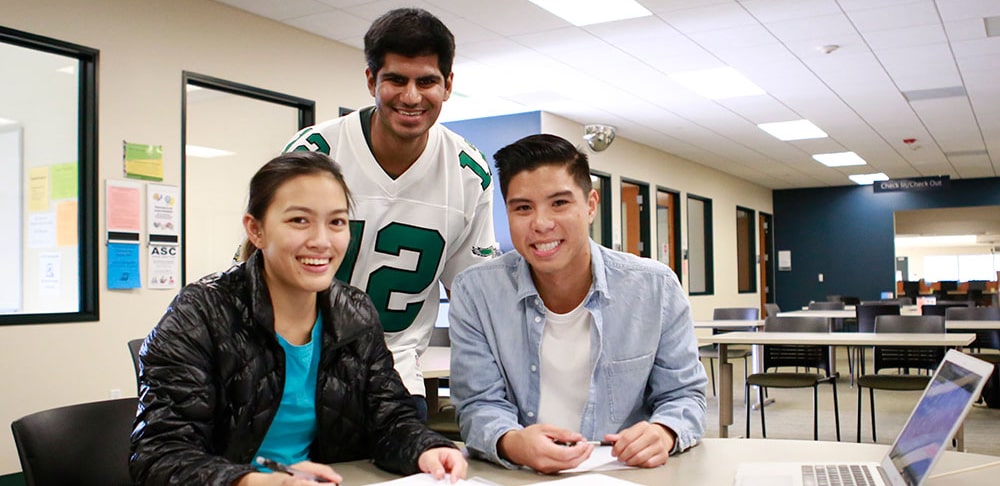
(714, 462)
(435, 364)
(756, 351)
(972, 325)
(952, 340)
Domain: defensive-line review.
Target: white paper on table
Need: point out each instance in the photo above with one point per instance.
(599, 460)
(588, 480)
(427, 479)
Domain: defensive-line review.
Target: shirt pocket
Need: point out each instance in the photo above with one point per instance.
(627, 382)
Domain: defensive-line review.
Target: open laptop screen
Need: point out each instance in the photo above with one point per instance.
(933, 422)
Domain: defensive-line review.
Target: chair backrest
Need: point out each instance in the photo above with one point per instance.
(826, 306)
(866, 315)
(771, 309)
(77, 444)
(808, 356)
(908, 357)
(850, 300)
(972, 314)
(937, 309)
(134, 346)
(736, 314)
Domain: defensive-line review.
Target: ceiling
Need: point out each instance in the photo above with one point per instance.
(905, 69)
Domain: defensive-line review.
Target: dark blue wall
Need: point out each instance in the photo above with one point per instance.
(492, 134)
(846, 233)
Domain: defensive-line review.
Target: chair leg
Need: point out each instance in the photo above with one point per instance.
(859, 414)
(871, 398)
(836, 409)
(815, 412)
(746, 405)
(746, 397)
(711, 367)
(763, 425)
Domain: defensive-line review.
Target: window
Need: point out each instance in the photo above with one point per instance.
(746, 267)
(600, 229)
(246, 127)
(668, 235)
(699, 221)
(48, 191)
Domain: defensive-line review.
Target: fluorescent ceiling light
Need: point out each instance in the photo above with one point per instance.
(718, 83)
(71, 69)
(922, 241)
(4, 121)
(587, 12)
(868, 179)
(206, 152)
(793, 130)
(840, 159)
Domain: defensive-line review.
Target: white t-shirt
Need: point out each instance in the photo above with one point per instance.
(426, 225)
(564, 378)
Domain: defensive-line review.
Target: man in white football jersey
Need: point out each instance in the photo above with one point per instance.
(423, 196)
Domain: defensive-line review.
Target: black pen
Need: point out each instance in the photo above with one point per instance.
(277, 466)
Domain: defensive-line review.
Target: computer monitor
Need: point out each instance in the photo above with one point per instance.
(911, 288)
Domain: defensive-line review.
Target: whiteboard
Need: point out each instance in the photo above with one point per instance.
(11, 216)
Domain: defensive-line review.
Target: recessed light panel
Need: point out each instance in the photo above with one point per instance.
(793, 130)
(840, 159)
(867, 179)
(587, 12)
(992, 26)
(718, 83)
(206, 152)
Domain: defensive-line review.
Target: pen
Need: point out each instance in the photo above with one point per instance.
(593, 442)
(277, 466)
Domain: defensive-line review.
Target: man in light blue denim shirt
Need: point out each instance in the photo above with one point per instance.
(565, 341)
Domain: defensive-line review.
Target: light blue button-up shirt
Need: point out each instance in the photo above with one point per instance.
(643, 351)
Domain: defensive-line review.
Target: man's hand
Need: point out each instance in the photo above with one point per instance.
(443, 460)
(535, 446)
(643, 444)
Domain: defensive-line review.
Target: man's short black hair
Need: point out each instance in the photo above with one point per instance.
(534, 151)
(409, 32)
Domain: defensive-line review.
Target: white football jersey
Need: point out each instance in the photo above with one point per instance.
(407, 233)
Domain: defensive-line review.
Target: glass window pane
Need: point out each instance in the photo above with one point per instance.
(699, 213)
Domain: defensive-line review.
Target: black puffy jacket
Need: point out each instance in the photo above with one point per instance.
(213, 374)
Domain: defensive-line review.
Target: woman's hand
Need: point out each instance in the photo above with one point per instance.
(319, 471)
(441, 460)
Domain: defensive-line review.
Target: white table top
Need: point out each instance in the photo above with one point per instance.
(972, 325)
(830, 314)
(842, 338)
(436, 362)
(714, 463)
(728, 324)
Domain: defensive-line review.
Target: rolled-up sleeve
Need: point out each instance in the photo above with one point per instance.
(677, 380)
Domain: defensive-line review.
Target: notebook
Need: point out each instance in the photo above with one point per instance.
(955, 385)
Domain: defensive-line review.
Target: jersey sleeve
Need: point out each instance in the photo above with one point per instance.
(478, 242)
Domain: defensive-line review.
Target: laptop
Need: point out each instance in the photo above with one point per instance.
(956, 384)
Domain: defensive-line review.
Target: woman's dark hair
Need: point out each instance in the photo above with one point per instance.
(534, 151)
(409, 32)
(281, 169)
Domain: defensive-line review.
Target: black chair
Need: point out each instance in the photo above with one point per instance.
(711, 351)
(78, 444)
(133, 348)
(826, 305)
(797, 356)
(866, 323)
(905, 358)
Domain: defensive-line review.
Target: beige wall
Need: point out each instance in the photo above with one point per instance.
(144, 46)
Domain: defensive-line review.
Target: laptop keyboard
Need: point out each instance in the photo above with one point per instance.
(836, 475)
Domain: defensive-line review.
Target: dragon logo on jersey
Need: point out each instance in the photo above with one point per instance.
(488, 252)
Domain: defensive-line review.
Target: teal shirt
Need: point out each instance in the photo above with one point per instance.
(294, 427)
